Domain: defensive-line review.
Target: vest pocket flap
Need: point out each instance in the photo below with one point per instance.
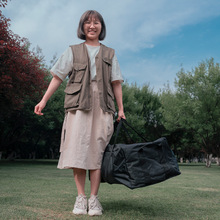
(79, 66)
(108, 61)
(73, 88)
(79, 71)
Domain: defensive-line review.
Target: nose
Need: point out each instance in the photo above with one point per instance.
(92, 25)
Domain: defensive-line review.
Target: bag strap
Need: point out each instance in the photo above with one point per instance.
(117, 126)
(121, 125)
(124, 121)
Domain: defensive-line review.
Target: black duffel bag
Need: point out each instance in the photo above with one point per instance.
(140, 164)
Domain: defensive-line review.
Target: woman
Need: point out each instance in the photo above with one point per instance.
(94, 80)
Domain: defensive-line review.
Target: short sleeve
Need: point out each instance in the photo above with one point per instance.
(63, 65)
(116, 72)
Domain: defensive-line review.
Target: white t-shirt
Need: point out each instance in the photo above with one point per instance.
(64, 64)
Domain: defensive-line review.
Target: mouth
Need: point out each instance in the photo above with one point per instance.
(92, 31)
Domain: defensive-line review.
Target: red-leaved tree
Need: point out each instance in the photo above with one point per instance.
(21, 72)
(3, 3)
(22, 79)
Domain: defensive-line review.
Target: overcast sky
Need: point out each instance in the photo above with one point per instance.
(153, 39)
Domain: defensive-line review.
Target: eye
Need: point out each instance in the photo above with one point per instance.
(87, 22)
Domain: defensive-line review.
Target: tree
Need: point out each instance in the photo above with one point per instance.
(196, 106)
(3, 3)
(180, 138)
(22, 77)
(42, 134)
(21, 72)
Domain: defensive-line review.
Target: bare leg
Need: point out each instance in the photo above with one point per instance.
(95, 178)
(80, 179)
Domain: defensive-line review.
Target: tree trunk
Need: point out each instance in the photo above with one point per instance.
(34, 155)
(12, 156)
(218, 161)
(181, 159)
(208, 160)
(52, 153)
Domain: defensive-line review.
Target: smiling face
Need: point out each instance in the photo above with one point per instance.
(91, 25)
(92, 28)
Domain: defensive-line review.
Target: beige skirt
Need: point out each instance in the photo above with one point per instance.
(85, 135)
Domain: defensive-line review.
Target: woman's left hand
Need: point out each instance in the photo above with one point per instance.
(120, 115)
(117, 89)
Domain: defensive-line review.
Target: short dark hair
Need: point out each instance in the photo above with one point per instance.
(86, 15)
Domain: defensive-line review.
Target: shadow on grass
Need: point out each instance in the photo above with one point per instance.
(138, 209)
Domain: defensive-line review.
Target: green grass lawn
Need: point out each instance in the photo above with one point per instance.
(38, 190)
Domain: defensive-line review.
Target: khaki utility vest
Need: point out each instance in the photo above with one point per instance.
(78, 89)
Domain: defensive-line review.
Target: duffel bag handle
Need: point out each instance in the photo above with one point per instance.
(121, 125)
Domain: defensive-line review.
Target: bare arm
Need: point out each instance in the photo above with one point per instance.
(117, 89)
(53, 86)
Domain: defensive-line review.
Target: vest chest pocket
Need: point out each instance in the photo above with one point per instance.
(107, 61)
(72, 95)
(79, 72)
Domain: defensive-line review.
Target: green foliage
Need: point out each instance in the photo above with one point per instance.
(141, 106)
(30, 136)
(46, 130)
(195, 107)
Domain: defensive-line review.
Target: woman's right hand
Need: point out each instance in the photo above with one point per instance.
(54, 84)
(39, 107)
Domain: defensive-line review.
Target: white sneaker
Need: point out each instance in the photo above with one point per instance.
(80, 206)
(95, 208)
